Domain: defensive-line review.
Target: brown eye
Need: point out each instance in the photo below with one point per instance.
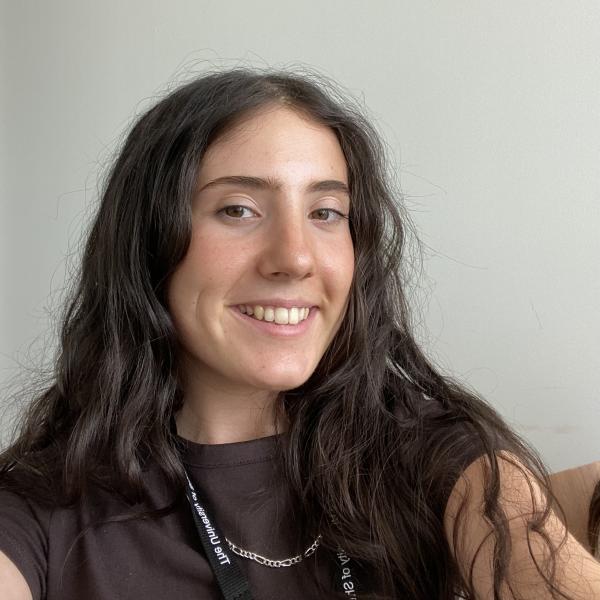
(234, 211)
(324, 213)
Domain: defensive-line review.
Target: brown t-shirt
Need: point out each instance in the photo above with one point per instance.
(158, 559)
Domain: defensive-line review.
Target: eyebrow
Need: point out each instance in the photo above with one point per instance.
(268, 183)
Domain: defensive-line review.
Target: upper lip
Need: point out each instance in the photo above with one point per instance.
(283, 302)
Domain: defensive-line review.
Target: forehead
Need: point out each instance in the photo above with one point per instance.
(276, 142)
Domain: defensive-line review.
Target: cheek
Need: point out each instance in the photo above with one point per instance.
(210, 248)
(209, 268)
(340, 267)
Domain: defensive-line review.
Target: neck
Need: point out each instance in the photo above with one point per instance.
(227, 420)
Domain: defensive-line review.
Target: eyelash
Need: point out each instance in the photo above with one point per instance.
(339, 214)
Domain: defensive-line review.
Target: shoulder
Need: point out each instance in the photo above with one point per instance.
(519, 490)
(24, 527)
(502, 530)
(441, 443)
(40, 538)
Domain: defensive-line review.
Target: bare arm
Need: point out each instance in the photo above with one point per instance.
(577, 573)
(12, 583)
(573, 489)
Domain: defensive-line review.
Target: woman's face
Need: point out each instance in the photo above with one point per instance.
(271, 240)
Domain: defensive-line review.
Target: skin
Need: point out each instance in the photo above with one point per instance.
(574, 489)
(577, 572)
(12, 583)
(280, 245)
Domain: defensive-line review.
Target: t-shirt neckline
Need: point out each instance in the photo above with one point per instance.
(230, 454)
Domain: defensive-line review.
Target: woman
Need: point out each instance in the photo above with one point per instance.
(240, 408)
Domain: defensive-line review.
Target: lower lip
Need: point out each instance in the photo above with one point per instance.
(274, 330)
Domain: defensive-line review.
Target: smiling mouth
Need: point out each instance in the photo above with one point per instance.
(278, 330)
(276, 315)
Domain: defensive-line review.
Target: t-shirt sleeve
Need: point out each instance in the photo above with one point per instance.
(24, 539)
(450, 449)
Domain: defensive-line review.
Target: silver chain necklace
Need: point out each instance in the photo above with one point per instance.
(269, 562)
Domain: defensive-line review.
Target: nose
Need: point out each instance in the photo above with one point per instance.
(288, 250)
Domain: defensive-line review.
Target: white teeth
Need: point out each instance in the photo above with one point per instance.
(282, 316)
(279, 315)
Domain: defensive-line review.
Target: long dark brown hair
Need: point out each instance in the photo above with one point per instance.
(594, 521)
(376, 430)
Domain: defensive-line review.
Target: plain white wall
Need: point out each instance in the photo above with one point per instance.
(491, 111)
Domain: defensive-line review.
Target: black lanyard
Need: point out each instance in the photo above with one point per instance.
(232, 582)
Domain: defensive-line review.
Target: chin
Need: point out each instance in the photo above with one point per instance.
(282, 382)
(267, 373)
